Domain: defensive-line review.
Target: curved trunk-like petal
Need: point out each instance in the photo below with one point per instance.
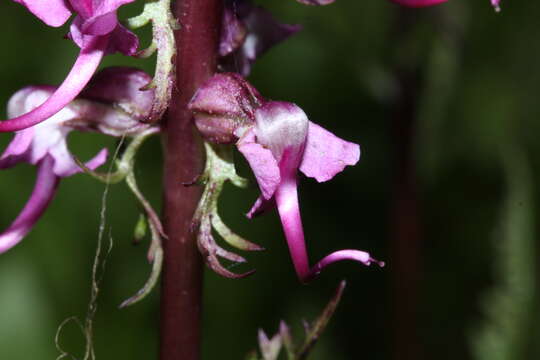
(81, 72)
(348, 254)
(418, 3)
(44, 190)
(315, 2)
(289, 212)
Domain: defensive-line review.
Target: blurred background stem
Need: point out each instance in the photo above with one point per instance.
(196, 43)
(404, 214)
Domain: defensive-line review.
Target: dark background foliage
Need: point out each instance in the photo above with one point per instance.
(436, 98)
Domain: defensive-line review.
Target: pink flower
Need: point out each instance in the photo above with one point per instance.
(278, 140)
(112, 104)
(282, 142)
(43, 145)
(95, 30)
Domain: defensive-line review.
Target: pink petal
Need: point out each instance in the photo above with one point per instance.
(260, 206)
(52, 12)
(81, 72)
(44, 190)
(17, 150)
(325, 154)
(315, 2)
(262, 162)
(123, 41)
(418, 3)
(289, 212)
(65, 165)
(354, 255)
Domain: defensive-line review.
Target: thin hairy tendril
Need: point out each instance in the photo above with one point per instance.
(98, 271)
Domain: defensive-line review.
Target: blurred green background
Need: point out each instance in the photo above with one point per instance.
(444, 102)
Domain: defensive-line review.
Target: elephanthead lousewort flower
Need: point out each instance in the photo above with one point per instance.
(114, 112)
(277, 140)
(95, 29)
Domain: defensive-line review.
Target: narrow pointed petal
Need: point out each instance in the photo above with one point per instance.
(325, 154)
(16, 151)
(315, 2)
(270, 348)
(263, 164)
(349, 254)
(261, 206)
(52, 12)
(81, 72)
(70, 166)
(418, 3)
(44, 190)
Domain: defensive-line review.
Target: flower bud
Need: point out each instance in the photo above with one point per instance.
(223, 105)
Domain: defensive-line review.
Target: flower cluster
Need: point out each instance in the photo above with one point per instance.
(276, 138)
(95, 29)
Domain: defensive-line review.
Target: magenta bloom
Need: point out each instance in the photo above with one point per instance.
(95, 30)
(43, 145)
(277, 139)
(113, 105)
(418, 3)
(282, 142)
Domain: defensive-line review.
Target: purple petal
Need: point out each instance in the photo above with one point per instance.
(496, 4)
(263, 32)
(17, 150)
(98, 16)
(233, 33)
(315, 2)
(325, 154)
(260, 206)
(44, 190)
(123, 41)
(81, 72)
(121, 87)
(289, 212)
(263, 164)
(418, 3)
(52, 12)
(65, 166)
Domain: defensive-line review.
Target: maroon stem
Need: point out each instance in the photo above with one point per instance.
(181, 294)
(406, 242)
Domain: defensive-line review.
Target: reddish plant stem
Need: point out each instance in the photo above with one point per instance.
(181, 294)
(406, 234)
